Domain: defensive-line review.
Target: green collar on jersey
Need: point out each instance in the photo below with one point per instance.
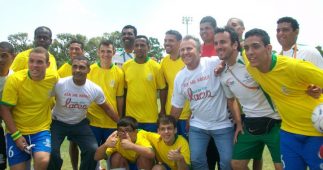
(146, 59)
(273, 61)
(99, 64)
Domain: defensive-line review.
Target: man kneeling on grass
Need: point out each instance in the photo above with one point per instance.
(127, 147)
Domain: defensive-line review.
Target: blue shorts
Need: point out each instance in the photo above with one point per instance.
(181, 128)
(151, 127)
(41, 140)
(299, 151)
(101, 134)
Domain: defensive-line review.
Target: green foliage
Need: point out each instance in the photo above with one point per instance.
(20, 42)
(155, 49)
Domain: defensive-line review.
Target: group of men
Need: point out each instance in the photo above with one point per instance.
(109, 109)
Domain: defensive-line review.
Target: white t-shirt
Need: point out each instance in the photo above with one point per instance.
(253, 101)
(306, 53)
(72, 100)
(205, 94)
(121, 57)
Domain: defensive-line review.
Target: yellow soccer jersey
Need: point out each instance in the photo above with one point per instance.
(30, 99)
(112, 83)
(161, 149)
(65, 70)
(287, 84)
(142, 82)
(21, 61)
(169, 69)
(130, 155)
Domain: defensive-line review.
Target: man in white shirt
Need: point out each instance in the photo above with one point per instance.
(73, 97)
(210, 118)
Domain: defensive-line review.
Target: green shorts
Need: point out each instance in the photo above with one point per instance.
(252, 146)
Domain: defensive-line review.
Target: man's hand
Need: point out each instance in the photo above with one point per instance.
(314, 91)
(175, 155)
(21, 143)
(236, 133)
(112, 140)
(219, 68)
(127, 143)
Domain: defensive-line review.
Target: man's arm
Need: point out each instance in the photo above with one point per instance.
(141, 150)
(109, 111)
(235, 110)
(7, 117)
(120, 103)
(176, 112)
(100, 152)
(163, 98)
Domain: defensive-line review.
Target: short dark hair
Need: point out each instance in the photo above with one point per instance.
(166, 119)
(7, 47)
(197, 41)
(175, 33)
(106, 43)
(76, 42)
(234, 37)
(293, 22)
(210, 20)
(41, 50)
(260, 33)
(128, 121)
(130, 27)
(144, 37)
(41, 28)
(82, 57)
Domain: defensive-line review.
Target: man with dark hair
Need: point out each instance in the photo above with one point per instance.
(111, 79)
(170, 66)
(210, 118)
(42, 38)
(127, 147)
(287, 32)
(286, 81)
(128, 35)
(238, 25)
(7, 55)
(258, 108)
(73, 95)
(26, 111)
(207, 29)
(143, 78)
(75, 48)
(172, 150)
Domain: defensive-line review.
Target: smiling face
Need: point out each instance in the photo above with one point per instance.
(43, 38)
(223, 46)
(105, 52)
(171, 44)
(6, 59)
(257, 53)
(190, 54)
(75, 49)
(80, 69)
(167, 133)
(141, 48)
(37, 64)
(128, 37)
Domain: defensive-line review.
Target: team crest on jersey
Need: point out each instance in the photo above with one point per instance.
(150, 77)
(47, 143)
(229, 82)
(285, 90)
(247, 78)
(112, 83)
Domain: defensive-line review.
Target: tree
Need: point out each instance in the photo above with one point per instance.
(156, 51)
(20, 42)
(320, 50)
(115, 37)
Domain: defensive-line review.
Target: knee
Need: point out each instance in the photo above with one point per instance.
(144, 163)
(158, 167)
(118, 161)
(239, 165)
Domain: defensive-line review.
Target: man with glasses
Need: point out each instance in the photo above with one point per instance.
(127, 147)
(42, 38)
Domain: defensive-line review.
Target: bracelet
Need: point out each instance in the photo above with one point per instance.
(16, 135)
